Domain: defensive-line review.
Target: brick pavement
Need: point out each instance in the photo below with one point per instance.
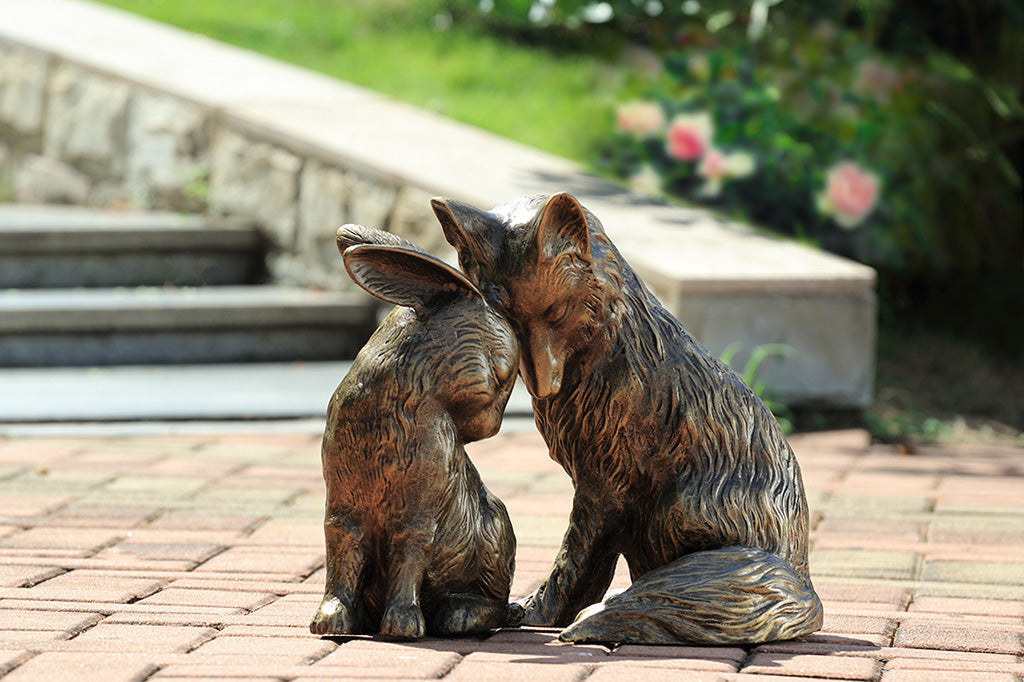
(184, 557)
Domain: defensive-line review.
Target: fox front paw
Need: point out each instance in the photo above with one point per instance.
(543, 608)
(403, 621)
(334, 617)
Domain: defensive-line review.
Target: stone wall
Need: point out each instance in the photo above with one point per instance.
(72, 135)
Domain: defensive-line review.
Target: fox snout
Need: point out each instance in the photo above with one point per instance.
(542, 362)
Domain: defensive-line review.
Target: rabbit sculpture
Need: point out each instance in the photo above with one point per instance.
(416, 544)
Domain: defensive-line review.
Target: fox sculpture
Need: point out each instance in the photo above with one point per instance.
(415, 543)
(677, 465)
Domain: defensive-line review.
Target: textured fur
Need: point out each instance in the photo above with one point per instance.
(415, 542)
(677, 465)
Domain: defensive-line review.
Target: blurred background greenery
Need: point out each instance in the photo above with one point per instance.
(889, 132)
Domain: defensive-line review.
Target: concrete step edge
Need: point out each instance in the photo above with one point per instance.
(155, 308)
(39, 229)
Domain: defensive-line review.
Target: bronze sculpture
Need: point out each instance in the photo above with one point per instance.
(415, 543)
(677, 465)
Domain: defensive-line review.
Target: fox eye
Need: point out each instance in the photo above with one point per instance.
(556, 313)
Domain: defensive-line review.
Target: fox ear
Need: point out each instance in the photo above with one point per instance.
(404, 276)
(563, 227)
(470, 230)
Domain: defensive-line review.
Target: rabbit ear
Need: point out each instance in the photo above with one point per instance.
(350, 235)
(405, 276)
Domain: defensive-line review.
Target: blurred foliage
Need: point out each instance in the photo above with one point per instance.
(936, 385)
(924, 97)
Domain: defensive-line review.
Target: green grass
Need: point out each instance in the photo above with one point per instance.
(552, 100)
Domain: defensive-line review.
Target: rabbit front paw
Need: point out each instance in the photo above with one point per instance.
(403, 621)
(333, 618)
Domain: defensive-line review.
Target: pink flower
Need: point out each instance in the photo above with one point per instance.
(850, 194)
(713, 165)
(717, 168)
(689, 136)
(640, 119)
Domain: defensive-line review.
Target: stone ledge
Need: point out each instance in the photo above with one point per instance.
(161, 57)
(39, 229)
(446, 158)
(300, 153)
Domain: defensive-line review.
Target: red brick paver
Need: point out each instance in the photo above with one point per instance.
(201, 557)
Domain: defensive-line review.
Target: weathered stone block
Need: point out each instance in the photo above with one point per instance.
(830, 341)
(166, 152)
(413, 219)
(6, 181)
(85, 121)
(42, 180)
(256, 180)
(371, 202)
(330, 197)
(324, 194)
(22, 89)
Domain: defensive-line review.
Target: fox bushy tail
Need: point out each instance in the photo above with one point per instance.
(733, 595)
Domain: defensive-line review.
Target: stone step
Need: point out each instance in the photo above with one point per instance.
(150, 325)
(45, 246)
